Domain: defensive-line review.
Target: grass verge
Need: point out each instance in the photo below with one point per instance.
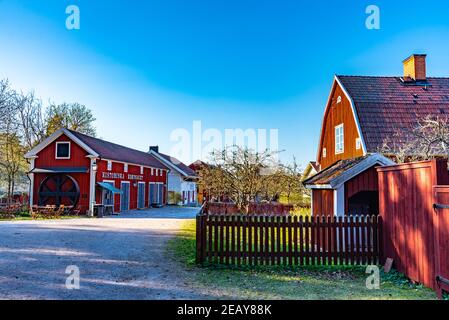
(315, 283)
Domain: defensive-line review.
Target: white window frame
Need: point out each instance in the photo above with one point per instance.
(358, 143)
(342, 139)
(339, 100)
(125, 167)
(152, 171)
(56, 150)
(324, 152)
(141, 170)
(109, 166)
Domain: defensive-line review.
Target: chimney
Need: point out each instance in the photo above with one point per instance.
(415, 67)
(154, 148)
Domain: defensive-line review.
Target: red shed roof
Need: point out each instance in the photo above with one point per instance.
(112, 151)
(386, 105)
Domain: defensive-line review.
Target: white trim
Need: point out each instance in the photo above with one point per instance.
(144, 196)
(56, 150)
(375, 159)
(129, 194)
(92, 187)
(31, 175)
(113, 195)
(354, 113)
(33, 152)
(319, 186)
(168, 163)
(339, 201)
(131, 164)
(125, 167)
(108, 165)
(337, 127)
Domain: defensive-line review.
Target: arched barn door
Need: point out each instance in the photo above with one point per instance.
(59, 189)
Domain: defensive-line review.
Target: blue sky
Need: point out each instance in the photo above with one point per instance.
(147, 68)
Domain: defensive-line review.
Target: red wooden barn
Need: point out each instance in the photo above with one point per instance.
(363, 113)
(82, 172)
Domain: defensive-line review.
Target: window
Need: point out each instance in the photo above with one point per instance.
(339, 139)
(125, 167)
(358, 143)
(324, 152)
(152, 172)
(141, 170)
(109, 166)
(338, 99)
(62, 150)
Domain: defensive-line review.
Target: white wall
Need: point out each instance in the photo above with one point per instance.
(176, 183)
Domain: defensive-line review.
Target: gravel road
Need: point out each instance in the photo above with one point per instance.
(120, 257)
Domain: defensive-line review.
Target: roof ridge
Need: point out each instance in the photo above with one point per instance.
(113, 143)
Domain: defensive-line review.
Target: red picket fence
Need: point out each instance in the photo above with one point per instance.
(257, 209)
(275, 240)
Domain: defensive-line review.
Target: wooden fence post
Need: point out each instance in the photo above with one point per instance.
(200, 239)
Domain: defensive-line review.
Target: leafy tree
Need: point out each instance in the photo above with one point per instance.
(72, 116)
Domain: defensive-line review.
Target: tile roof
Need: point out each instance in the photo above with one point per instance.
(112, 151)
(181, 166)
(386, 106)
(326, 176)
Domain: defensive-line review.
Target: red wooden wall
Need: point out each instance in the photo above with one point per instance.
(366, 181)
(78, 158)
(410, 221)
(441, 195)
(118, 167)
(323, 202)
(335, 114)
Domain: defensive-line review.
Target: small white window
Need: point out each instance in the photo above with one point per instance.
(62, 150)
(125, 167)
(339, 139)
(152, 172)
(338, 99)
(109, 165)
(324, 152)
(141, 170)
(358, 144)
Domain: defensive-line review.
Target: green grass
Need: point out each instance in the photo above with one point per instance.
(24, 216)
(286, 283)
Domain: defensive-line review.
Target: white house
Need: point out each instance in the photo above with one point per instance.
(181, 180)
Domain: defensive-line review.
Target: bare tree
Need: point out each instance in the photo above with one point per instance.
(31, 119)
(240, 174)
(427, 139)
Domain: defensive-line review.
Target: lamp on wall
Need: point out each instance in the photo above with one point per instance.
(94, 166)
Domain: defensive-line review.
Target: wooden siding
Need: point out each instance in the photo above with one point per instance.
(46, 157)
(410, 221)
(322, 202)
(118, 167)
(366, 181)
(338, 113)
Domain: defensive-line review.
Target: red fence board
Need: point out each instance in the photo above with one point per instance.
(406, 204)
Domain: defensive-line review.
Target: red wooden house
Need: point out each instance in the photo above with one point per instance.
(361, 114)
(81, 172)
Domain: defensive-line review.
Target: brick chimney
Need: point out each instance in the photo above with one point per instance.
(415, 67)
(154, 148)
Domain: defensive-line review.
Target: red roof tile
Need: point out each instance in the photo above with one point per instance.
(386, 106)
(112, 151)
